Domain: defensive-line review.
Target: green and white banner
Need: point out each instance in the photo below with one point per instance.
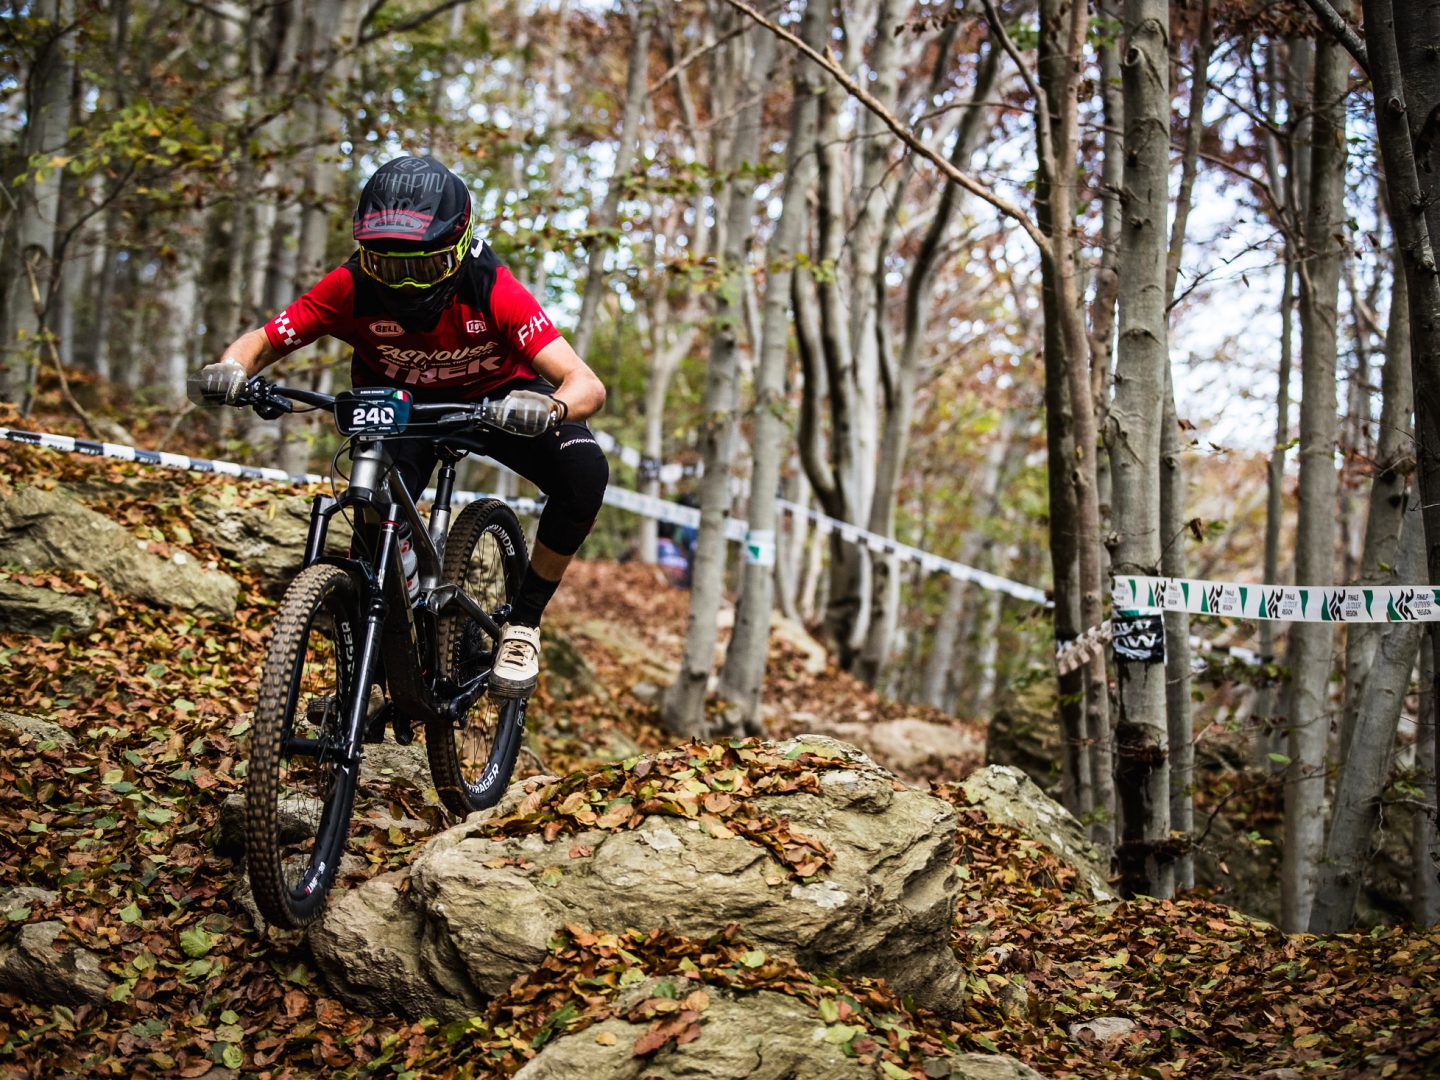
(1282, 603)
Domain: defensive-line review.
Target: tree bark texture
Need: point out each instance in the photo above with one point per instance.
(1366, 767)
(1136, 410)
(1173, 531)
(642, 22)
(683, 706)
(744, 672)
(1388, 495)
(37, 201)
(1308, 713)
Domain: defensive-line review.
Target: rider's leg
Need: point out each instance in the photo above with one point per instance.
(570, 468)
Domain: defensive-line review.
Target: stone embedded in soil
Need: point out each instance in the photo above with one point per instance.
(36, 728)
(1009, 797)
(32, 968)
(484, 907)
(1102, 1029)
(42, 529)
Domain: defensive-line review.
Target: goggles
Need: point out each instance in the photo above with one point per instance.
(420, 269)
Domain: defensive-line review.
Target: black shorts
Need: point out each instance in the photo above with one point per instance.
(567, 464)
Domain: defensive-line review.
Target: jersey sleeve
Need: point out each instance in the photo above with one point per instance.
(520, 317)
(325, 309)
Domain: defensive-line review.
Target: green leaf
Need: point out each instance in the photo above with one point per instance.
(19, 914)
(229, 1016)
(196, 942)
(840, 1034)
(753, 959)
(829, 1011)
(1278, 759)
(130, 913)
(895, 1072)
(232, 1057)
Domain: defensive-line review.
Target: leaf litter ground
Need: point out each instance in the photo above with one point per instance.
(121, 826)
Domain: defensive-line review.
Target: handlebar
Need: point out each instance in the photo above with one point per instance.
(271, 400)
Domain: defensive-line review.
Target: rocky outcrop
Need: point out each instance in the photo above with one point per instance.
(269, 538)
(718, 1032)
(1009, 797)
(31, 966)
(42, 529)
(484, 899)
(761, 1036)
(43, 612)
(41, 731)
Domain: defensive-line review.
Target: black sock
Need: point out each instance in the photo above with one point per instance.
(530, 598)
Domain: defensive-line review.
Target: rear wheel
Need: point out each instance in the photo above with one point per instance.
(471, 761)
(298, 790)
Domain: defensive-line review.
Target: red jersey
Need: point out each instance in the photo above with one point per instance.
(488, 335)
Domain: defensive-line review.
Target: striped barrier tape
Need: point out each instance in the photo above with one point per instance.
(622, 498)
(1282, 603)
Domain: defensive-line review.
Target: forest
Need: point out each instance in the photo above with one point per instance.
(1042, 389)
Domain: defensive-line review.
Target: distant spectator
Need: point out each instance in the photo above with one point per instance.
(671, 557)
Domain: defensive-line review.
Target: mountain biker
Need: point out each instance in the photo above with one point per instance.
(427, 307)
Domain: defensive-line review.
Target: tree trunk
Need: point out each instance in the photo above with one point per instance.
(1308, 711)
(744, 670)
(895, 438)
(1087, 777)
(37, 201)
(642, 21)
(1172, 486)
(1133, 438)
(1424, 851)
(683, 707)
(1366, 767)
(1294, 188)
(1388, 494)
(993, 471)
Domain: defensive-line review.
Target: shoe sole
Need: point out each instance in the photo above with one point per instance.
(510, 689)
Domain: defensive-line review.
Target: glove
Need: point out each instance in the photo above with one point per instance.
(221, 382)
(526, 412)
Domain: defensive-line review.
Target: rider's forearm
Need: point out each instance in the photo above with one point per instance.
(582, 392)
(252, 351)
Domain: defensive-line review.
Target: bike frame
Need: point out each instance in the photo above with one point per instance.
(404, 631)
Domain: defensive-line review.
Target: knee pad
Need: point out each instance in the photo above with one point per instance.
(576, 493)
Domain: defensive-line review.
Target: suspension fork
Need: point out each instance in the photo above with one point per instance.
(376, 607)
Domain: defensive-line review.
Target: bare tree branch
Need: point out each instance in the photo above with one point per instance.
(405, 24)
(1342, 31)
(859, 93)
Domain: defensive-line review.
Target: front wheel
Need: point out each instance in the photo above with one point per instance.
(299, 789)
(472, 761)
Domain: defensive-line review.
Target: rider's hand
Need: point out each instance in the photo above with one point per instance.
(221, 382)
(527, 412)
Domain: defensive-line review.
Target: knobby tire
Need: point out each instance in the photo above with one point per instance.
(320, 597)
(471, 763)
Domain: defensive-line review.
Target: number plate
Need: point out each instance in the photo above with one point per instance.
(372, 410)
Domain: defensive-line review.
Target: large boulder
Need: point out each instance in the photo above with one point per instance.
(269, 537)
(809, 846)
(1007, 796)
(31, 967)
(42, 612)
(42, 529)
(761, 1035)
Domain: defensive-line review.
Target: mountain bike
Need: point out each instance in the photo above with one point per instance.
(348, 627)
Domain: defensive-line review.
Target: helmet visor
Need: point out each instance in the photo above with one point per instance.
(420, 269)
